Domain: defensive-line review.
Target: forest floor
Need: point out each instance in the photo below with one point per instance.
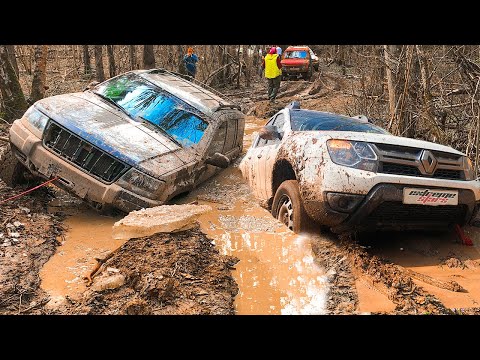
(45, 254)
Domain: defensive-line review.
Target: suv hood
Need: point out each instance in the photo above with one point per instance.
(99, 123)
(378, 138)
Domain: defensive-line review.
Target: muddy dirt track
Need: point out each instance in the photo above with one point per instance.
(238, 260)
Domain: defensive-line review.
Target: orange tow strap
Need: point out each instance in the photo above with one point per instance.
(464, 238)
(29, 190)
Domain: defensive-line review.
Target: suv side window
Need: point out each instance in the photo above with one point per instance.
(278, 121)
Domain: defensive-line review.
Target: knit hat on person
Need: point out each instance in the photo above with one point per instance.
(273, 50)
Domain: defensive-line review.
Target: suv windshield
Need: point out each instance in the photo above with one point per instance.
(296, 54)
(143, 100)
(307, 120)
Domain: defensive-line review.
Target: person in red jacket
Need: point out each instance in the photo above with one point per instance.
(273, 72)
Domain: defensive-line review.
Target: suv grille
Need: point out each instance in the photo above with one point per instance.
(396, 212)
(402, 160)
(82, 154)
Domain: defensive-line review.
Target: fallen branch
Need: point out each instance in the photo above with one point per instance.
(447, 285)
(41, 303)
(212, 74)
(5, 121)
(95, 272)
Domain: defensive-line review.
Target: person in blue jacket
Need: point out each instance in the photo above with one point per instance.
(190, 60)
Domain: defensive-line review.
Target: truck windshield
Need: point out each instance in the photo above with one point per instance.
(142, 100)
(307, 120)
(297, 54)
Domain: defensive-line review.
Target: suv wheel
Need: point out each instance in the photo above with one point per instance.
(288, 208)
(308, 75)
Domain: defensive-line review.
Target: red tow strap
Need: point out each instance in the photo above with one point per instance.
(464, 238)
(29, 190)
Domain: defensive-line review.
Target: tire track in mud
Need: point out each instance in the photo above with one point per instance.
(345, 261)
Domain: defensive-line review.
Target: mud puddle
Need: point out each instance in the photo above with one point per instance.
(88, 236)
(276, 273)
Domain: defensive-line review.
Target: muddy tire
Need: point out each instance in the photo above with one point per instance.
(12, 171)
(287, 207)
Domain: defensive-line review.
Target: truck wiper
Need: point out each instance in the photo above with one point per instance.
(110, 101)
(163, 131)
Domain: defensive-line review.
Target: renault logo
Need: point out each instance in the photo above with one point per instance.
(429, 162)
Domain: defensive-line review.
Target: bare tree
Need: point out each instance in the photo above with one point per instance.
(390, 53)
(111, 61)
(13, 100)
(133, 57)
(87, 66)
(181, 64)
(39, 74)
(148, 57)
(12, 57)
(100, 74)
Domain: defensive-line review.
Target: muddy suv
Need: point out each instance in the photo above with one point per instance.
(131, 142)
(324, 169)
(299, 60)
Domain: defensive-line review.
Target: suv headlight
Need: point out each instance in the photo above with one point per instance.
(36, 118)
(468, 168)
(355, 154)
(140, 183)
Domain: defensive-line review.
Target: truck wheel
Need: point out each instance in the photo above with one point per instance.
(12, 171)
(287, 207)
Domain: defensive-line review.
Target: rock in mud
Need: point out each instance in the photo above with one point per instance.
(159, 219)
(454, 263)
(56, 302)
(109, 282)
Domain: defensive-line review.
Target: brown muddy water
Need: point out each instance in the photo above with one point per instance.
(276, 273)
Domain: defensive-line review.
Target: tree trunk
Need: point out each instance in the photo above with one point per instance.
(40, 73)
(181, 65)
(427, 96)
(239, 67)
(87, 66)
(111, 61)
(390, 52)
(133, 57)
(100, 74)
(12, 57)
(14, 103)
(148, 57)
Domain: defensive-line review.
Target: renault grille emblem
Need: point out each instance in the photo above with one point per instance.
(428, 161)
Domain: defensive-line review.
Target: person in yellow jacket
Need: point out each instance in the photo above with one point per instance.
(273, 72)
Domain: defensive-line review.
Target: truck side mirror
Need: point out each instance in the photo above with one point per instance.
(218, 160)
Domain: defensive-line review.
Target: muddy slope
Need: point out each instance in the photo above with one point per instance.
(163, 274)
(28, 237)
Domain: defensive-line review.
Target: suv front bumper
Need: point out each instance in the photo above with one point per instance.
(29, 150)
(383, 209)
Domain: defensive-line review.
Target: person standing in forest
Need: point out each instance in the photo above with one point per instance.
(190, 60)
(279, 51)
(273, 72)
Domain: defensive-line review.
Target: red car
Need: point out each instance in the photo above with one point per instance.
(299, 60)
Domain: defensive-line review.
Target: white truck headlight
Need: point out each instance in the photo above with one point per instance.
(355, 154)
